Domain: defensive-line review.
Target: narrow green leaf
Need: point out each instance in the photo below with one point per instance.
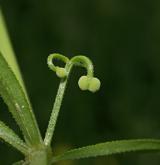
(8, 53)
(13, 95)
(109, 148)
(10, 137)
(7, 50)
(21, 162)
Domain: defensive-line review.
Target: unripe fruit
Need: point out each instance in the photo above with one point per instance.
(94, 84)
(61, 72)
(83, 83)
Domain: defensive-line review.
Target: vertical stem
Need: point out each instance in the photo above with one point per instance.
(79, 61)
(39, 156)
(55, 112)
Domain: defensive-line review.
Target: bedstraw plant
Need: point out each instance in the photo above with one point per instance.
(36, 150)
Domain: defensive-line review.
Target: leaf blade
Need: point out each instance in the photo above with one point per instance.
(10, 137)
(109, 148)
(13, 95)
(7, 50)
(21, 162)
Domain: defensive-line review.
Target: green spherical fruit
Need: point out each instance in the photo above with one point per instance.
(83, 83)
(94, 84)
(61, 72)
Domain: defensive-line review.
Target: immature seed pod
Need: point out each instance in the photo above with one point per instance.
(61, 72)
(83, 83)
(94, 84)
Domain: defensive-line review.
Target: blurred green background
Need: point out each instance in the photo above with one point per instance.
(123, 40)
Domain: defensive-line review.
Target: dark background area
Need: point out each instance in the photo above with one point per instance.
(123, 40)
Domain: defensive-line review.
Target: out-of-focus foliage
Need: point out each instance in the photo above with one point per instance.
(122, 38)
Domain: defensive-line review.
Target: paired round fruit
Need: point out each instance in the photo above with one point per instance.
(89, 83)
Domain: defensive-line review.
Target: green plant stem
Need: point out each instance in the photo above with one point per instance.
(77, 61)
(55, 112)
(40, 156)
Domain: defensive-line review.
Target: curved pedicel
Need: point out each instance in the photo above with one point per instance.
(60, 71)
(58, 57)
(87, 82)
